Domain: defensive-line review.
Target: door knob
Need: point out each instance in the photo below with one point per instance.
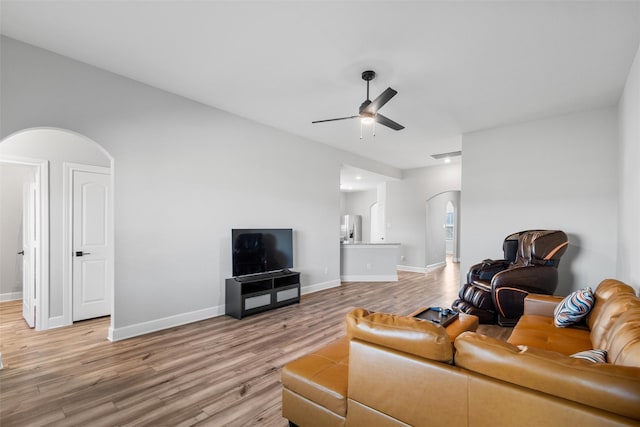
(21, 253)
(80, 253)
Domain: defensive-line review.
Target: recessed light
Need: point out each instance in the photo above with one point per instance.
(447, 159)
(358, 177)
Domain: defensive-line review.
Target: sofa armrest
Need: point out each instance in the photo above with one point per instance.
(407, 334)
(541, 305)
(609, 387)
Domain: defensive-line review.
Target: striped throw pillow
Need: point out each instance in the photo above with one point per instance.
(573, 308)
(595, 356)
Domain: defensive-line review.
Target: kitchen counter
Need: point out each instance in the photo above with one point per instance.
(369, 244)
(369, 261)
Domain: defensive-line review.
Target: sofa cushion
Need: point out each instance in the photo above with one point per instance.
(573, 308)
(601, 385)
(408, 334)
(321, 376)
(605, 290)
(540, 332)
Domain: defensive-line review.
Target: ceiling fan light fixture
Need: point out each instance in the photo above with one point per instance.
(366, 118)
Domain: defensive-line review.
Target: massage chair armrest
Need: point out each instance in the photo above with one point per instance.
(532, 279)
(486, 269)
(510, 287)
(541, 305)
(406, 334)
(609, 387)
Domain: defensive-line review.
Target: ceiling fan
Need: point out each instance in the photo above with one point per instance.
(368, 112)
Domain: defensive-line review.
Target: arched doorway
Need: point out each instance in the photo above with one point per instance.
(442, 236)
(76, 208)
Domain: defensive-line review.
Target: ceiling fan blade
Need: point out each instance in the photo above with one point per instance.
(382, 99)
(388, 122)
(333, 120)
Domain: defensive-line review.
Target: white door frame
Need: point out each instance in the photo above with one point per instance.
(67, 235)
(42, 215)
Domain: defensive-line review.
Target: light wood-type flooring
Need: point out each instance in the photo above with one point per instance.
(215, 372)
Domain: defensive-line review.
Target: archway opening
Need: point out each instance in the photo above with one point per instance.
(59, 155)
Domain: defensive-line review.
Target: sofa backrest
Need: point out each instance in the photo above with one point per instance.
(609, 387)
(408, 334)
(614, 322)
(623, 340)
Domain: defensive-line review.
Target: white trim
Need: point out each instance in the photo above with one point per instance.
(436, 265)
(57, 322)
(42, 268)
(117, 334)
(411, 269)
(10, 296)
(370, 278)
(67, 226)
(319, 287)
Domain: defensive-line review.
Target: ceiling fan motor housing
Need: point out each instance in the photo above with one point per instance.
(368, 75)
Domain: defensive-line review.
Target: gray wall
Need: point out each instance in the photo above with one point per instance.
(629, 179)
(359, 203)
(405, 208)
(558, 173)
(185, 174)
(12, 180)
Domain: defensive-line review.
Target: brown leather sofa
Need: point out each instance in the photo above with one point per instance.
(399, 371)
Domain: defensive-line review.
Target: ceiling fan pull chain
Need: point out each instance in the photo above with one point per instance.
(360, 129)
(374, 127)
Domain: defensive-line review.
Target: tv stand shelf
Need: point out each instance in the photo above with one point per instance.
(248, 295)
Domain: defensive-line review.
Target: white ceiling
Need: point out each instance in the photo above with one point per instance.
(356, 179)
(458, 66)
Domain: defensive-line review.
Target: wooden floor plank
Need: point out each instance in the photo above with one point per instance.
(220, 371)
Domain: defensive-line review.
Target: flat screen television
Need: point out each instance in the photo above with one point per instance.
(257, 251)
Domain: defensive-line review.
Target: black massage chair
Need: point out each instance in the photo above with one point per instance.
(495, 289)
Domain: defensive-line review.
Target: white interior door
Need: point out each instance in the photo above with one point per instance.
(29, 252)
(92, 272)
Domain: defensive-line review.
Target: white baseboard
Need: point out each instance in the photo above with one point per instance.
(319, 287)
(370, 278)
(117, 334)
(436, 265)
(411, 269)
(10, 296)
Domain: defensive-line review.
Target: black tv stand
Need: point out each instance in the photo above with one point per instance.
(246, 295)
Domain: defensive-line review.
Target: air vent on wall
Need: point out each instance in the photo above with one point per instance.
(447, 155)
